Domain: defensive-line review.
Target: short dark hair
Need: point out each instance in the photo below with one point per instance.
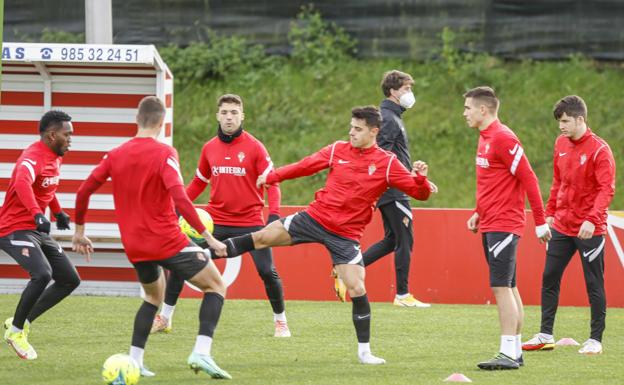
(370, 114)
(53, 119)
(571, 105)
(393, 80)
(230, 98)
(485, 95)
(151, 112)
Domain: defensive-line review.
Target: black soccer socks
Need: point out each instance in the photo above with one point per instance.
(361, 318)
(143, 323)
(209, 313)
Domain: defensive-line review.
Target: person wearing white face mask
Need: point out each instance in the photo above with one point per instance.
(394, 205)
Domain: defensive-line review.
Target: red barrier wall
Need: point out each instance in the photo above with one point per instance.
(448, 266)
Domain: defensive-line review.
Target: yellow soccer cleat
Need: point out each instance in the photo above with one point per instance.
(19, 343)
(410, 301)
(339, 286)
(9, 322)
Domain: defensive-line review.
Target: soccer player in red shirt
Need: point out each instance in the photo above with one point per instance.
(504, 176)
(231, 162)
(359, 172)
(24, 229)
(582, 188)
(146, 185)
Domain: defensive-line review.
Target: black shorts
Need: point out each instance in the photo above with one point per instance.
(304, 229)
(500, 253)
(188, 262)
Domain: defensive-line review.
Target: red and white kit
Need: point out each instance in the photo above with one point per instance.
(232, 169)
(504, 174)
(32, 188)
(146, 183)
(357, 178)
(583, 183)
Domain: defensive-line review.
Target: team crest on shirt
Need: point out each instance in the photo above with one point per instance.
(583, 159)
(487, 147)
(371, 169)
(241, 156)
(25, 252)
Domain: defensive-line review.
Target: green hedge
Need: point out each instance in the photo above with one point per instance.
(296, 110)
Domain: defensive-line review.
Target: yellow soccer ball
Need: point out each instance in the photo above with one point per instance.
(187, 229)
(121, 369)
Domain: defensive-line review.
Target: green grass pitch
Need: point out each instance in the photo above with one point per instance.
(421, 346)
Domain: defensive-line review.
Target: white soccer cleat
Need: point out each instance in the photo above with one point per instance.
(539, 342)
(367, 358)
(591, 346)
(281, 329)
(145, 372)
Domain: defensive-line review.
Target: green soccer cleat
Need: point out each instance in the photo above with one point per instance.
(9, 322)
(206, 364)
(19, 343)
(499, 362)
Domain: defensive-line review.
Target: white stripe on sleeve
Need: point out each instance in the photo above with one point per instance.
(331, 155)
(268, 169)
(516, 161)
(30, 169)
(201, 176)
(174, 165)
(388, 169)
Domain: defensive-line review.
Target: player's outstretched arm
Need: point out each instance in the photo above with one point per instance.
(309, 165)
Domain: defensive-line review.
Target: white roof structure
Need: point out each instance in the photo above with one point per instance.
(100, 87)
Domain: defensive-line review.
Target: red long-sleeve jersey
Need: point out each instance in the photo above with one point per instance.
(357, 177)
(146, 176)
(232, 170)
(583, 183)
(32, 188)
(504, 175)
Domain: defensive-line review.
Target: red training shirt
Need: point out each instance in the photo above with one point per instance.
(32, 188)
(232, 169)
(357, 177)
(504, 175)
(143, 172)
(583, 183)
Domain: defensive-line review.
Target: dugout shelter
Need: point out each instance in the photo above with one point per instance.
(100, 87)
